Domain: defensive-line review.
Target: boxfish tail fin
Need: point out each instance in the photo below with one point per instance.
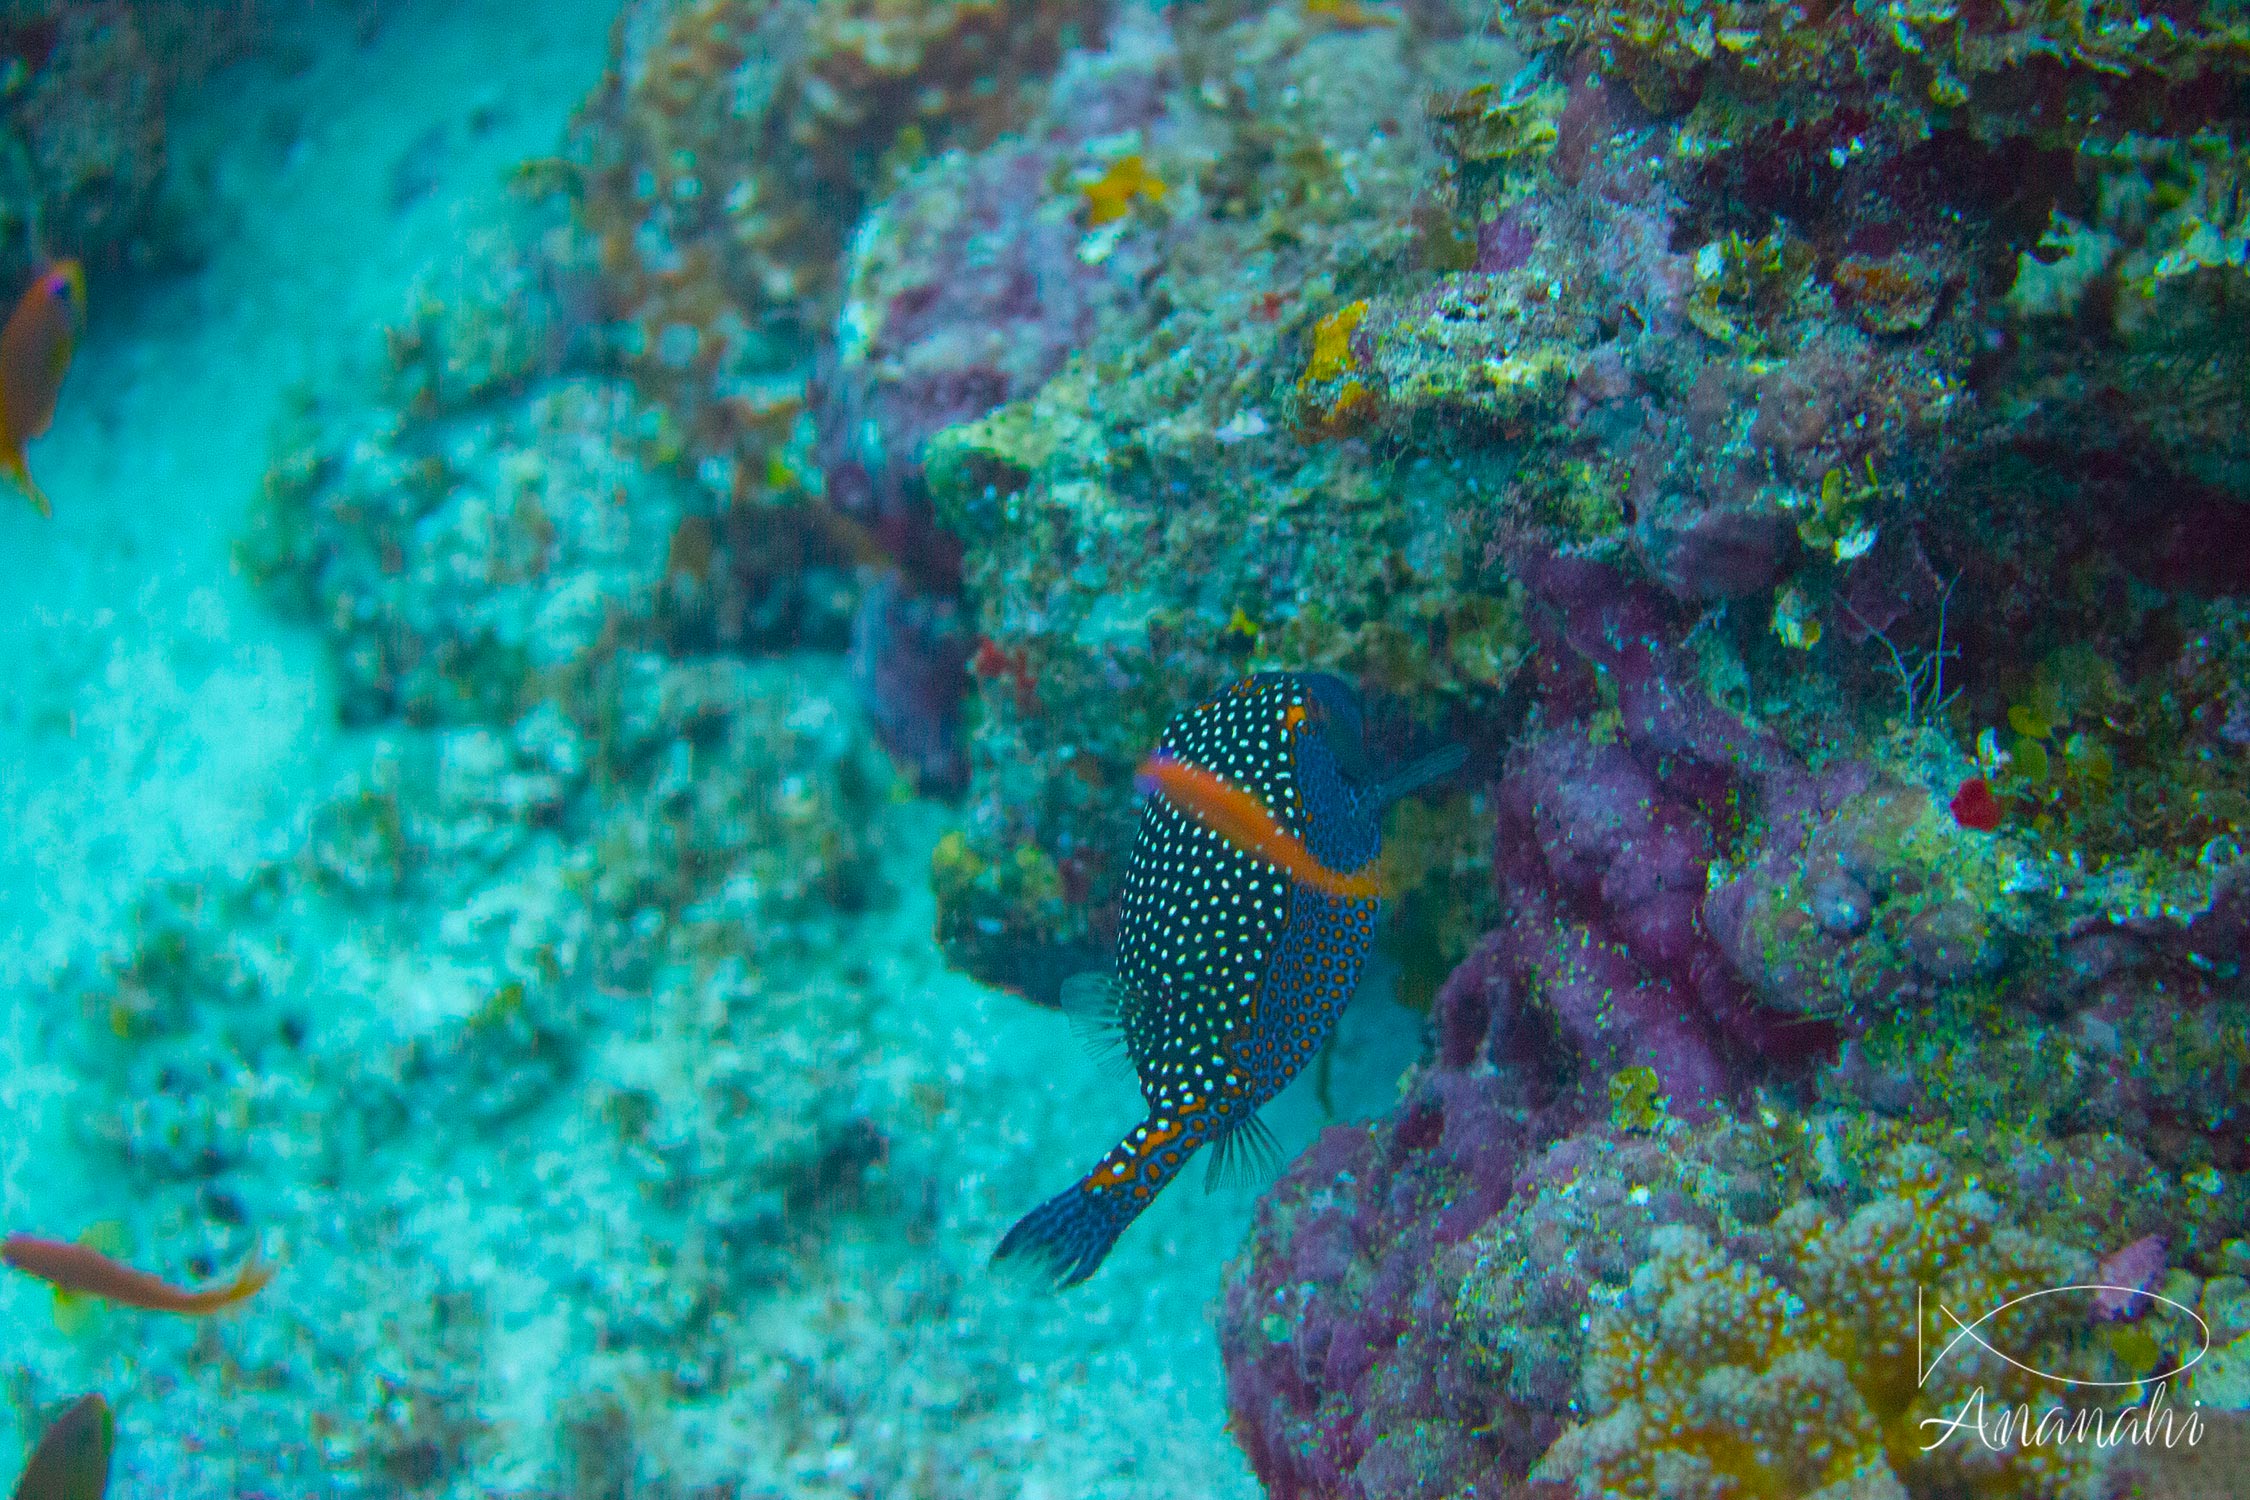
(1435, 766)
(1069, 1235)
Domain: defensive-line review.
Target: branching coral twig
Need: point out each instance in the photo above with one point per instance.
(1921, 675)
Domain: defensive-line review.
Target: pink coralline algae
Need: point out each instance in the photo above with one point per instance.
(1503, 244)
(966, 288)
(1409, 1319)
(1348, 1370)
(2128, 1276)
(972, 283)
(1605, 851)
(1337, 1326)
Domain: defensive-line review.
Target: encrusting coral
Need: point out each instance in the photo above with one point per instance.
(1711, 1377)
(730, 151)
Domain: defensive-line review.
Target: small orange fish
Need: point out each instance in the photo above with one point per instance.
(35, 350)
(1237, 816)
(1348, 15)
(80, 1269)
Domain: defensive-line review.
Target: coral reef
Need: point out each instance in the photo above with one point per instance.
(1711, 1375)
(1150, 520)
(1798, 450)
(797, 261)
(1871, 778)
(973, 278)
(466, 572)
(1611, 828)
(86, 128)
(565, 1071)
(1908, 70)
(1695, 921)
(1345, 1373)
(83, 95)
(1471, 1348)
(649, 1077)
(1760, 334)
(729, 153)
(624, 936)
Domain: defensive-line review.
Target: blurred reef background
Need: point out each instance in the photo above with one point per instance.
(612, 568)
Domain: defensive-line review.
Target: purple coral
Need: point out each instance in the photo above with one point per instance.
(969, 288)
(2128, 1276)
(910, 664)
(1605, 851)
(1337, 1329)
(1603, 875)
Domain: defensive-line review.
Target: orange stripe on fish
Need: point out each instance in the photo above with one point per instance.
(81, 1269)
(1237, 816)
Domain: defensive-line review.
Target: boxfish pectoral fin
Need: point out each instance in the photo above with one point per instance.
(1094, 1006)
(1435, 766)
(1345, 724)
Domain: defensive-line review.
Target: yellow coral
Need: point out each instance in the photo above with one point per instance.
(1837, 521)
(1332, 344)
(1110, 196)
(1348, 15)
(954, 865)
(1794, 620)
(1495, 123)
(1713, 1379)
(1636, 1099)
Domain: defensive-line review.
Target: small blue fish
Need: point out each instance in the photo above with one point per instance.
(1230, 971)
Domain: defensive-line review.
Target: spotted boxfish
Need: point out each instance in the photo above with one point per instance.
(1230, 969)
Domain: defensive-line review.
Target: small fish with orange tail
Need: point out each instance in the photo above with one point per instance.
(85, 1271)
(1248, 908)
(35, 349)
